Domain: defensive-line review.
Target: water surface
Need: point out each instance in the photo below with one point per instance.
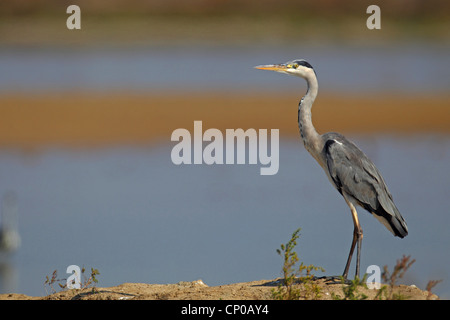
(409, 68)
(136, 217)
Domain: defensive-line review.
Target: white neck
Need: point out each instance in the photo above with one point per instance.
(311, 139)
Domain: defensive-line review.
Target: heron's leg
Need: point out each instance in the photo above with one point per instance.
(349, 259)
(358, 249)
(357, 240)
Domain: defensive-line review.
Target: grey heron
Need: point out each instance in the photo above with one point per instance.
(350, 171)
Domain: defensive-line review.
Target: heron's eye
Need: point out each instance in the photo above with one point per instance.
(295, 65)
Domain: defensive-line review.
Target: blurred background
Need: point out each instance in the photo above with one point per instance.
(86, 118)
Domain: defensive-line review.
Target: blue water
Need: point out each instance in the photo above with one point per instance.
(136, 217)
(409, 68)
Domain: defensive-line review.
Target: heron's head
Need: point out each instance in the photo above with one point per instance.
(299, 68)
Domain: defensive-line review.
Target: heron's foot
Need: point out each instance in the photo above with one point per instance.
(334, 280)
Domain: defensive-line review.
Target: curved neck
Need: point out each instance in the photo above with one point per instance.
(311, 139)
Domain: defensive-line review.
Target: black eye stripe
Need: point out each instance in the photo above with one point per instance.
(303, 63)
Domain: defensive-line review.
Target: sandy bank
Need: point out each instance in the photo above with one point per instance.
(82, 119)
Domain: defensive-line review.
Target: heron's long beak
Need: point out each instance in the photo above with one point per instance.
(273, 67)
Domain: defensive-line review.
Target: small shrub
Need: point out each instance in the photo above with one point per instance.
(430, 285)
(288, 289)
(350, 289)
(87, 281)
(387, 291)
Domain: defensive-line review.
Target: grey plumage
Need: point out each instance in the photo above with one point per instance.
(355, 175)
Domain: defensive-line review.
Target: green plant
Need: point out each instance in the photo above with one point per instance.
(87, 282)
(51, 281)
(289, 288)
(350, 289)
(311, 290)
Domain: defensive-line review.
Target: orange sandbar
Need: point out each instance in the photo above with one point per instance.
(88, 119)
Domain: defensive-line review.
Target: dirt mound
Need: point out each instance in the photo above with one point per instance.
(198, 290)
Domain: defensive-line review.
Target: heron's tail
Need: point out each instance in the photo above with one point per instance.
(399, 226)
(394, 221)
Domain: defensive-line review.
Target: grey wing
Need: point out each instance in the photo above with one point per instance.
(354, 175)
